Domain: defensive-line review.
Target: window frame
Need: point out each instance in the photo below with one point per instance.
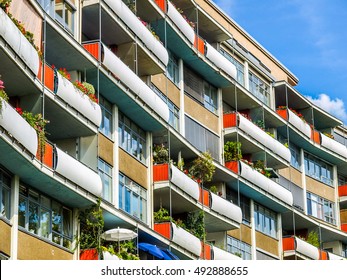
(103, 173)
(316, 207)
(237, 246)
(261, 216)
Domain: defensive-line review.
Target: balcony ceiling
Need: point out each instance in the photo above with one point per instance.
(238, 97)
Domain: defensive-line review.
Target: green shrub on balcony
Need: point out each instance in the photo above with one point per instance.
(232, 151)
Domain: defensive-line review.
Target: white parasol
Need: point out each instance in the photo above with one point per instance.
(118, 234)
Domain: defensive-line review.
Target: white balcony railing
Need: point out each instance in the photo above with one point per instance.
(78, 173)
(17, 41)
(219, 254)
(335, 257)
(333, 145)
(186, 240)
(78, 100)
(18, 127)
(226, 208)
(299, 123)
(131, 80)
(306, 249)
(220, 61)
(180, 22)
(185, 183)
(262, 137)
(265, 183)
(134, 24)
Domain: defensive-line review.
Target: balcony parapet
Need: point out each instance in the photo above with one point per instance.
(294, 245)
(133, 23)
(235, 119)
(17, 41)
(296, 121)
(219, 254)
(123, 73)
(343, 191)
(180, 237)
(333, 145)
(18, 127)
(226, 208)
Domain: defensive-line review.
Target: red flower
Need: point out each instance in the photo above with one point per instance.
(19, 110)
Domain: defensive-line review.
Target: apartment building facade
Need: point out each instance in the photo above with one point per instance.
(120, 101)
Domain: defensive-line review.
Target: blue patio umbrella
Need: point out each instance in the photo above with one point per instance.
(153, 250)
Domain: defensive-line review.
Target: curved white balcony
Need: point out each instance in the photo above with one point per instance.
(18, 127)
(226, 208)
(185, 239)
(131, 80)
(132, 22)
(333, 145)
(185, 183)
(180, 22)
(78, 100)
(17, 41)
(219, 254)
(77, 172)
(262, 137)
(299, 123)
(334, 257)
(295, 245)
(220, 61)
(265, 183)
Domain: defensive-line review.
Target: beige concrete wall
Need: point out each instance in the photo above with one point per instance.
(276, 70)
(243, 234)
(343, 216)
(132, 168)
(173, 92)
(5, 238)
(320, 189)
(201, 114)
(105, 149)
(292, 175)
(266, 243)
(24, 12)
(31, 248)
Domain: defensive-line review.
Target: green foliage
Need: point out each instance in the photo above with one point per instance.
(4, 4)
(195, 224)
(203, 168)
(3, 95)
(232, 151)
(180, 164)
(160, 154)
(313, 238)
(260, 124)
(213, 189)
(91, 226)
(162, 215)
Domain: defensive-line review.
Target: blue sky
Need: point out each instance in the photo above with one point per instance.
(308, 36)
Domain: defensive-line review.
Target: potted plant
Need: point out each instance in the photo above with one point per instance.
(203, 168)
(91, 226)
(232, 154)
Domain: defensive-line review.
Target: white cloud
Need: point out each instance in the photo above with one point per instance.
(336, 106)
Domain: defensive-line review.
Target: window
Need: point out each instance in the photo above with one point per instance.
(105, 172)
(321, 208)
(201, 138)
(5, 194)
(132, 138)
(259, 88)
(200, 90)
(132, 198)
(240, 77)
(244, 204)
(172, 69)
(265, 220)
(236, 246)
(45, 217)
(106, 126)
(295, 156)
(344, 250)
(174, 111)
(64, 13)
(318, 169)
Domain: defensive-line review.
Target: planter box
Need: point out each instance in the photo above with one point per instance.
(161, 172)
(233, 166)
(229, 120)
(89, 254)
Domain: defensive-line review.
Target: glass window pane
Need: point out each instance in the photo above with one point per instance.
(45, 223)
(33, 218)
(22, 210)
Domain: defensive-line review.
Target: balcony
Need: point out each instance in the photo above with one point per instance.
(237, 120)
(180, 237)
(220, 214)
(18, 43)
(333, 145)
(219, 254)
(296, 121)
(18, 127)
(128, 78)
(334, 257)
(136, 26)
(296, 248)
